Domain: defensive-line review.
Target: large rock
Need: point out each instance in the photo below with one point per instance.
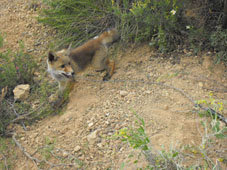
(21, 92)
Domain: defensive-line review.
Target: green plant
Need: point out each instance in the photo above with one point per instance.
(176, 158)
(197, 38)
(16, 68)
(218, 40)
(1, 40)
(138, 139)
(6, 151)
(137, 21)
(77, 20)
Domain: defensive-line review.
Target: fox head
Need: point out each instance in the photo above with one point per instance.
(59, 66)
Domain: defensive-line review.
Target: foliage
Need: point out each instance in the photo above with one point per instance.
(218, 40)
(156, 21)
(6, 151)
(164, 24)
(77, 20)
(137, 138)
(1, 40)
(16, 68)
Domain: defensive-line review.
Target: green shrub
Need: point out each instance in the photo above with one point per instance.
(77, 20)
(218, 40)
(137, 21)
(1, 40)
(156, 21)
(16, 68)
(165, 24)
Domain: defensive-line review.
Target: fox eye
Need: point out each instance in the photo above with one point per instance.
(62, 66)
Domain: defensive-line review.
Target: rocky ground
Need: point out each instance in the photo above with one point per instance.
(83, 134)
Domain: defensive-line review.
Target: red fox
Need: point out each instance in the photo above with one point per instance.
(65, 64)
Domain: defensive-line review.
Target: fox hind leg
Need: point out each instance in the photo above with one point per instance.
(100, 63)
(110, 67)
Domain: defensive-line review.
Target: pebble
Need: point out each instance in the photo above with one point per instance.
(123, 93)
(92, 136)
(77, 148)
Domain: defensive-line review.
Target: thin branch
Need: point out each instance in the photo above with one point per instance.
(25, 116)
(36, 160)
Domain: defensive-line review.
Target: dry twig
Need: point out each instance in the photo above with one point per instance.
(36, 160)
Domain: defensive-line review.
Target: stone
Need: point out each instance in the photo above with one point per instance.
(21, 92)
(200, 84)
(123, 93)
(77, 148)
(92, 136)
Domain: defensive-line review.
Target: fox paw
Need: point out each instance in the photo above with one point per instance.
(106, 77)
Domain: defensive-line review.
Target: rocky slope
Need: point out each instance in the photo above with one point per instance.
(83, 134)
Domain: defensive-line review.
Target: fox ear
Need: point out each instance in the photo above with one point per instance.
(51, 56)
(69, 49)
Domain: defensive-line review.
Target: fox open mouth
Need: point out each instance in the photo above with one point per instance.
(67, 76)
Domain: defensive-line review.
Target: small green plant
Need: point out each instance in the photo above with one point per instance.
(5, 152)
(49, 147)
(1, 40)
(176, 158)
(138, 139)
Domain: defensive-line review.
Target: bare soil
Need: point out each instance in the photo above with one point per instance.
(97, 110)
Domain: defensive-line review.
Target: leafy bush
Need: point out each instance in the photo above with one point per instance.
(16, 68)
(77, 20)
(156, 21)
(218, 40)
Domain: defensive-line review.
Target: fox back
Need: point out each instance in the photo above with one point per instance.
(93, 51)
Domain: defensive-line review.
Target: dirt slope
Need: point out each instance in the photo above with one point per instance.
(96, 110)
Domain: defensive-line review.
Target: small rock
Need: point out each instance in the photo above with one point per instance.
(200, 84)
(148, 92)
(23, 138)
(90, 124)
(123, 93)
(77, 148)
(65, 154)
(21, 92)
(92, 136)
(99, 145)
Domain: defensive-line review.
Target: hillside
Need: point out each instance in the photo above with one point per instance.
(82, 136)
